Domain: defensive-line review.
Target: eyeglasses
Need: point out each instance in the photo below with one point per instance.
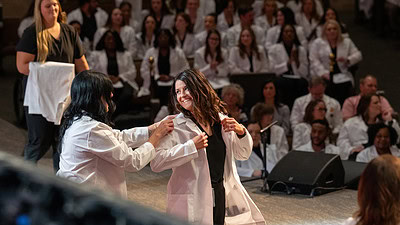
(321, 109)
(214, 39)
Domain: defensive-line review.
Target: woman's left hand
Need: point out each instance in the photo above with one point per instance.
(230, 124)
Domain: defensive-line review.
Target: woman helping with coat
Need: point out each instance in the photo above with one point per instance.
(202, 189)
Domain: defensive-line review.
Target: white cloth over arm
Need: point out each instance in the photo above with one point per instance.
(48, 88)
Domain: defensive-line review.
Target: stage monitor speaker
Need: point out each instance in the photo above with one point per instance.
(352, 171)
(308, 173)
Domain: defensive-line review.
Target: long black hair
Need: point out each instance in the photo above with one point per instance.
(119, 45)
(90, 91)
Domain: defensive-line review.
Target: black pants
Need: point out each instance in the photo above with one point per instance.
(123, 98)
(41, 135)
(163, 93)
(219, 201)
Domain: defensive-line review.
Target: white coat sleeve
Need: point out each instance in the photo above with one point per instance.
(275, 55)
(337, 118)
(354, 54)
(300, 137)
(282, 147)
(363, 156)
(112, 146)
(145, 70)
(343, 141)
(264, 60)
(302, 69)
(269, 40)
(295, 116)
(131, 43)
(170, 154)
(129, 71)
(316, 64)
(201, 64)
(234, 58)
(241, 147)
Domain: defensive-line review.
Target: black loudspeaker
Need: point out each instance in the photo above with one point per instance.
(353, 171)
(308, 173)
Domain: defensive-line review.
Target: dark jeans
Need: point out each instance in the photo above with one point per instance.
(41, 135)
(219, 199)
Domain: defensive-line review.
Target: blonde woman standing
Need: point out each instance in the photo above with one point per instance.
(48, 39)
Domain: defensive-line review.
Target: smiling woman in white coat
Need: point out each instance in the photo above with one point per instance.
(204, 187)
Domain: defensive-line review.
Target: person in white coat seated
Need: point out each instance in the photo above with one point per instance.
(111, 58)
(129, 19)
(316, 88)
(247, 56)
(196, 16)
(268, 17)
(90, 16)
(353, 137)
(289, 62)
(308, 17)
(116, 23)
(296, 6)
(258, 6)
(320, 131)
(382, 140)
(228, 17)
(145, 39)
(233, 96)
(246, 16)
(210, 23)
(204, 187)
(159, 10)
(184, 36)
(378, 193)
(315, 110)
(331, 57)
(167, 61)
(94, 154)
(283, 16)
(212, 61)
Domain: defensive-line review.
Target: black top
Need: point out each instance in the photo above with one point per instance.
(89, 26)
(164, 67)
(289, 52)
(216, 153)
(251, 63)
(336, 68)
(66, 49)
(112, 66)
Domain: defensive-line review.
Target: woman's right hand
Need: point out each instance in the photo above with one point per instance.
(164, 128)
(200, 141)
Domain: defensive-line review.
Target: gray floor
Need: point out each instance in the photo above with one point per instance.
(380, 57)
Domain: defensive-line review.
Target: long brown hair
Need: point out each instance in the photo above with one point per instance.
(254, 47)
(206, 103)
(44, 41)
(308, 115)
(218, 51)
(378, 192)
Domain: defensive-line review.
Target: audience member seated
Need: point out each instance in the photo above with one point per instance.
(210, 23)
(271, 97)
(196, 16)
(183, 34)
(320, 132)
(297, 5)
(246, 16)
(168, 61)
(353, 136)
(233, 96)
(317, 91)
(129, 20)
(378, 193)
(331, 56)
(268, 17)
(274, 136)
(308, 17)
(116, 23)
(85, 42)
(229, 17)
(381, 140)
(27, 20)
(315, 110)
(368, 85)
(145, 39)
(329, 14)
(288, 60)
(212, 61)
(247, 56)
(111, 58)
(283, 16)
(159, 10)
(90, 16)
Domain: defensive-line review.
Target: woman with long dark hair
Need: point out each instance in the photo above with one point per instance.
(91, 152)
(145, 39)
(160, 11)
(308, 17)
(183, 34)
(204, 187)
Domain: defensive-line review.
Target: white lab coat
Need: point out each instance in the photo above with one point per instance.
(301, 135)
(296, 7)
(275, 151)
(127, 35)
(135, 21)
(222, 25)
(242, 65)
(167, 22)
(188, 46)
(217, 80)
(262, 22)
(177, 60)
(308, 26)
(320, 61)
(200, 39)
(279, 58)
(189, 188)
(127, 71)
(329, 149)
(93, 153)
(233, 34)
(371, 153)
(273, 36)
(101, 16)
(141, 48)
